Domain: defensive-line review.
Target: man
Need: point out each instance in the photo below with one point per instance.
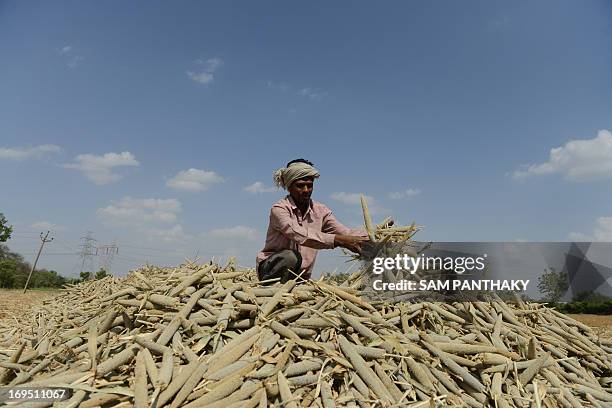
(300, 226)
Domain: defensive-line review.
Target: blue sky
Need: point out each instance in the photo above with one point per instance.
(145, 122)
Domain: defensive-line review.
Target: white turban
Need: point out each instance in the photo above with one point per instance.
(285, 176)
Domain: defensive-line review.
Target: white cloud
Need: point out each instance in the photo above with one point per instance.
(203, 78)
(138, 211)
(24, 153)
(206, 75)
(350, 198)
(70, 58)
(259, 187)
(212, 64)
(99, 168)
(577, 160)
(312, 93)
(74, 61)
(354, 199)
(194, 180)
(602, 232)
(168, 235)
(409, 193)
(48, 226)
(239, 231)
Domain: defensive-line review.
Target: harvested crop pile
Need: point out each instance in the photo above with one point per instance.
(212, 336)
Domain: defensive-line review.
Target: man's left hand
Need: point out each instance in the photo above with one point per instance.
(350, 242)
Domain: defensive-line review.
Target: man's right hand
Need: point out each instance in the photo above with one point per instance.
(350, 242)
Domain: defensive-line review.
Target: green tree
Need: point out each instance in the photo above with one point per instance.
(8, 267)
(553, 284)
(592, 297)
(102, 274)
(5, 230)
(43, 278)
(85, 276)
(14, 272)
(5, 253)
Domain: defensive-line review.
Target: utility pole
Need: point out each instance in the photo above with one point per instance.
(43, 241)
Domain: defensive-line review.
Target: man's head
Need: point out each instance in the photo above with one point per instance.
(298, 179)
(301, 190)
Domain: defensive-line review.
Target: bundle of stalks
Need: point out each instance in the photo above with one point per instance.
(385, 231)
(384, 236)
(213, 336)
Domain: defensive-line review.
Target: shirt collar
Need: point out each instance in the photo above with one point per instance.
(295, 207)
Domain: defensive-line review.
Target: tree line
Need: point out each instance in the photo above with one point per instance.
(14, 270)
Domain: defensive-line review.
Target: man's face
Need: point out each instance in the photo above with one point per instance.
(301, 190)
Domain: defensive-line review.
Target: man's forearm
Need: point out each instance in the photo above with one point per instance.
(321, 241)
(341, 240)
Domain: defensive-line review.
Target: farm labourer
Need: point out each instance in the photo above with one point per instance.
(300, 226)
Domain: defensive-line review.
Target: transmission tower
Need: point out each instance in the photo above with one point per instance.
(88, 250)
(106, 253)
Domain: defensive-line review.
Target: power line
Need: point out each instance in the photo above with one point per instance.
(141, 247)
(52, 253)
(106, 254)
(87, 252)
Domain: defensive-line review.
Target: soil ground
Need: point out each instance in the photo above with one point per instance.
(602, 324)
(13, 302)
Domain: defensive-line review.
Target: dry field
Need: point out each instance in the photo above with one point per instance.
(601, 324)
(13, 302)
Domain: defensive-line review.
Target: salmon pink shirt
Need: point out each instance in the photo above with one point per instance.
(307, 233)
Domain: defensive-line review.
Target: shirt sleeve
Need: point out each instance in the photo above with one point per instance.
(281, 221)
(332, 226)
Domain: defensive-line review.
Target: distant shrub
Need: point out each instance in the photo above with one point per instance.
(588, 307)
